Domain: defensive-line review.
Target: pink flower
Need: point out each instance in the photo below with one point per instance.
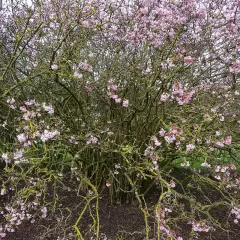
(232, 166)
(44, 211)
(200, 227)
(89, 89)
(185, 164)
(157, 143)
(18, 154)
(235, 68)
(85, 66)
(23, 109)
(48, 109)
(220, 144)
(114, 96)
(118, 100)
(185, 98)
(177, 89)
(92, 139)
(154, 138)
(188, 60)
(114, 87)
(5, 156)
(22, 138)
(86, 23)
(125, 103)
(54, 67)
(172, 184)
(3, 191)
(48, 135)
(31, 102)
(11, 101)
(205, 164)
(228, 140)
(211, 149)
(165, 97)
(77, 74)
(162, 132)
(27, 116)
(190, 147)
(174, 131)
(170, 139)
(208, 140)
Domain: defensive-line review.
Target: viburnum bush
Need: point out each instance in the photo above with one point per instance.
(121, 95)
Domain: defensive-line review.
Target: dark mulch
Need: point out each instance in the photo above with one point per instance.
(116, 220)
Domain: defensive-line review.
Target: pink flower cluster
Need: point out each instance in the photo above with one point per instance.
(112, 87)
(85, 66)
(92, 140)
(179, 94)
(236, 212)
(235, 68)
(24, 139)
(31, 110)
(219, 143)
(160, 216)
(73, 140)
(17, 156)
(54, 67)
(185, 164)
(156, 142)
(47, 135)
(205, 164)
(188, 60)
(12, 103)
(150, 152)
(27, 137)
(190, 147)
(200, 227)
(222, 143)
(16, 215)
(175, 134)
(226, 173)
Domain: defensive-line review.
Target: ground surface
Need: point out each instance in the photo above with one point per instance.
(116, 220)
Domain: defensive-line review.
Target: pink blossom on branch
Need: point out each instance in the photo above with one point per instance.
(235, 68)
(47, 135)
(190, 147)
(85, 66)
(92, 140)
(54, 67)
(165, 97)
(125, 103)
(188, 60)
(228, 140)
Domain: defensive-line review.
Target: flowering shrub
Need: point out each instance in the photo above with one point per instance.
(118, 95)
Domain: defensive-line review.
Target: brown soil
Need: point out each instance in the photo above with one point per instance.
(123, 220)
